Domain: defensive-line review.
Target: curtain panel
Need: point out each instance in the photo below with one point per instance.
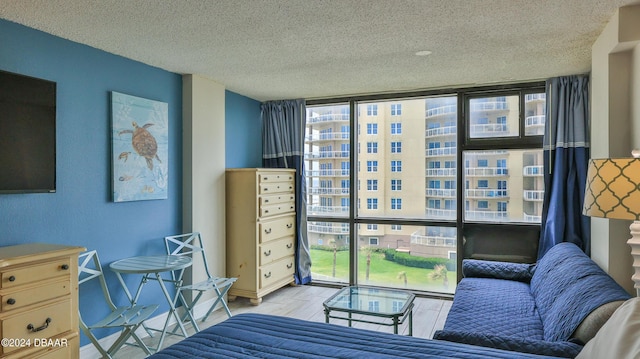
(566, 157)
(283, 128)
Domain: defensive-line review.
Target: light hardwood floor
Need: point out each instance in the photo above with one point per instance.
(305, 302)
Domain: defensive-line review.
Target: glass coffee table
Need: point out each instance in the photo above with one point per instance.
(390, 305)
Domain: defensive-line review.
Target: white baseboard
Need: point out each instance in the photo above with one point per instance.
(90, 352)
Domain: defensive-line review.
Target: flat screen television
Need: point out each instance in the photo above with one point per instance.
(27, 134)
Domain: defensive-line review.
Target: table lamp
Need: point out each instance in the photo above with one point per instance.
(613, 191)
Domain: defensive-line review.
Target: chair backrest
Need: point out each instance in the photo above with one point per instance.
(89, 269)
(188, 244)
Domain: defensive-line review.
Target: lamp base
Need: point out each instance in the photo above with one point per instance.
(634, 243)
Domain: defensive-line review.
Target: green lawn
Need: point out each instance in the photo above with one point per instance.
(381, 272)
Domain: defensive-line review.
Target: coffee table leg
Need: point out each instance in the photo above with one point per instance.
(326, 315)
(349, 319)
(411, 322)
(395, 324)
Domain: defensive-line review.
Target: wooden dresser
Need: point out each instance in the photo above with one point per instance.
(39, 301)
(261, 225)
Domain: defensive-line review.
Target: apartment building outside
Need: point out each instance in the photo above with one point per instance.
(406, 169)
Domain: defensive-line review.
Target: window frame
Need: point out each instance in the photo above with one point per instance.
(464, 143)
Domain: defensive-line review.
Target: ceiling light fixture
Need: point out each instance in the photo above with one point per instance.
(423, 53)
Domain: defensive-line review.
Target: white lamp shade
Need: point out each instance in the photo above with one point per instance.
(613, 188)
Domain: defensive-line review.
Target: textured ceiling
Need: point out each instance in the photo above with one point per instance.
(284, 49)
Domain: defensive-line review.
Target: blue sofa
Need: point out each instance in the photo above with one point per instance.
(551, 308)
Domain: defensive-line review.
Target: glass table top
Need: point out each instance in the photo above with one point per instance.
(369, 300)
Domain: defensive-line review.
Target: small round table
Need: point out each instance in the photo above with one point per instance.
(151, 267)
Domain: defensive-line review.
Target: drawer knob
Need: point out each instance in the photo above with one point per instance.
(267, 253)
(267, 275)
(267, 231)
(289, 245)
(289, 265)
(11, 301)
(64, 266)
(266, 211)
(12, 278)
(43, 327)
(289, 225)
(266, 178)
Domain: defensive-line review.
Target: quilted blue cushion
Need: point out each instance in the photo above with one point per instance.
(494, 307)
(499, 270)
(567, 285)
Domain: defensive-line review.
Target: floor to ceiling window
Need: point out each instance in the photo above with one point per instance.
(392, 181)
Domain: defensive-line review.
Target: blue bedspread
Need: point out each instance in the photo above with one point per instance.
(266, 336)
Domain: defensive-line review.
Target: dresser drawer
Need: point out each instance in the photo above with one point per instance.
(24, 297)
(35, 273)
(275, 176)
(275, 187)
(276, 228)
(278, 198)
(278, 208)
(274, 250)
(33, 325)
(276, 271)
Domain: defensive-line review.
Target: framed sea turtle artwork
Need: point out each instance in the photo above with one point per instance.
(140, 134)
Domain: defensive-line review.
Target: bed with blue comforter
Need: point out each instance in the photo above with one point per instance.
(267, 336)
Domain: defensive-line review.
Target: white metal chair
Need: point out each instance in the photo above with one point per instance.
(190, 244)
(126, 318)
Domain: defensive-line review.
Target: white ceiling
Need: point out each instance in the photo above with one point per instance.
(281, 49)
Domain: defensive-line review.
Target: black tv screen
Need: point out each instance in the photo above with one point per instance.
(27, 134)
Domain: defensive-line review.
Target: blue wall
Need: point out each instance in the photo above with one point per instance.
(243, 132)
(81, 211)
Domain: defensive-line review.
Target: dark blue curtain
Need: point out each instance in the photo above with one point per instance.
(566, 156)
(283, 127)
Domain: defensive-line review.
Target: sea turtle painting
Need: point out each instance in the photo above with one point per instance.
(139, 148)
(143, 143)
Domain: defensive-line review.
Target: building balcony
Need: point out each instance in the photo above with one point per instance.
(483, 154)
(326, 154)
(535, 97)
(441, 172)
(444, 193)
(328, 228)
(480, 215)
(323, 137)
(330, 210)
(535, 121)
(433, 241)
(331, 117)
(439, 152)
(533, 171)
(534, 125)
(532, 219)
(489, 106)
(441, 131)
(486, 193)
(533, 195)
(327, 173)
(442, 111)
(328, 191)
(489, 130)
(441, 213)
(486, 171)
